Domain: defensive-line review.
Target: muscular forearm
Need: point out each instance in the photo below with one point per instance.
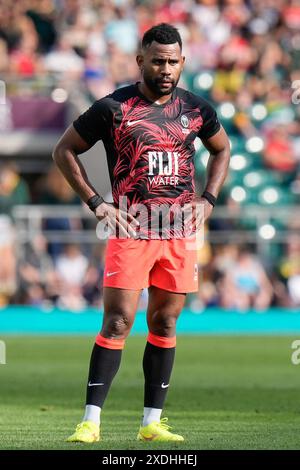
(217, 169)
(74, 172)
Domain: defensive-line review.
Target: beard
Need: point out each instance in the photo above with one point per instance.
(159, 88)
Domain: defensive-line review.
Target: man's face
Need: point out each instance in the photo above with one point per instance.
(161, 66)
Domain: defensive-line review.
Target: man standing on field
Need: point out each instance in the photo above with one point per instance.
(148, 130)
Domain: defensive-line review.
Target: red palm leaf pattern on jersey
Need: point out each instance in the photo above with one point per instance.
(123, 187)
(129, 183)
(135, 153)
(175, 128)
(122, 135)
(183, 163)
(195, 123)
(160, 137)
(192, 173)
(171, 110)
(139, 128)
(128, 154)
(174, 207)
(134, 109)
(183, 198)
(130, 151)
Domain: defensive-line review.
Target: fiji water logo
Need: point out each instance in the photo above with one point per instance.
(163, 168)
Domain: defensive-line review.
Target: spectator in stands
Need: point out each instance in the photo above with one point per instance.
(252, 53)
(71, 267)
(294, 288)
(225, 258)
(207, 296)
(38, 282)
(25, 59)
(200, 53)
(13, 188)
(279, 153)
(122, 30)
(64, 61)
(246, 284)
(93, 280)
(8, 279)
(122, 69)
(290, 263)
(54, 190)
(4, 60)
(44, 14)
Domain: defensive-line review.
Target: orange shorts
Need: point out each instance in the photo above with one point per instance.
(136, 263)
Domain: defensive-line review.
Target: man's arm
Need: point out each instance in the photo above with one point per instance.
(65, 155)
(217, 167)
(66, 158)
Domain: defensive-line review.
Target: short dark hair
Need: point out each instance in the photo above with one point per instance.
(162, 33)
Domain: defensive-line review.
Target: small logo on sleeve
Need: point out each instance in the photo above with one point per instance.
(195, 272)
(184, 121)
(185, 124)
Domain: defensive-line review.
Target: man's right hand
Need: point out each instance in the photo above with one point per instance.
(115, 217)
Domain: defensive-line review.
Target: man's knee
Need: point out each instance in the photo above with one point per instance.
(117, 323)
(163, 323)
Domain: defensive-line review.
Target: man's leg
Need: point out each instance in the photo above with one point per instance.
(119, 311)
(163, 310)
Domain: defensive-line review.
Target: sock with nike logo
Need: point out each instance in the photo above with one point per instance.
(157, 365)
(104, 364)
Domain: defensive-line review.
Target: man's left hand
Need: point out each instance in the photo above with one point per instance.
(198, 211)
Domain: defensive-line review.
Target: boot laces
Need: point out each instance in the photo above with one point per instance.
(163, 424)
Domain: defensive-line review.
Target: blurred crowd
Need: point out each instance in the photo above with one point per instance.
(254, 46)
(242, 53)
(245, 53)
(69, 275)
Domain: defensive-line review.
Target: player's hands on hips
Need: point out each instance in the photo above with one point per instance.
(198, 211)
(207, 208)
(115, 217)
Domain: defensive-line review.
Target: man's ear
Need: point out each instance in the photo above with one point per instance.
(140, 61)
(183, 62)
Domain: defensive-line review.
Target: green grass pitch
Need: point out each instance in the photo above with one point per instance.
(225, 393)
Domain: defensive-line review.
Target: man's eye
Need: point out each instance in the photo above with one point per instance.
(161, 62)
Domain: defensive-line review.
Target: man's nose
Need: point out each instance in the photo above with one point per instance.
(166, 69)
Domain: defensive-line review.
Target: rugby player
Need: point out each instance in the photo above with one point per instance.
(148, 130)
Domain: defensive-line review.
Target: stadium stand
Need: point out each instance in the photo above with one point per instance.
(56, 57)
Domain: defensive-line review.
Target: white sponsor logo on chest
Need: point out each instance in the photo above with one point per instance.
(163, 166)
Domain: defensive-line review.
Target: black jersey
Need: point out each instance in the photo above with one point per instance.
(150, 147)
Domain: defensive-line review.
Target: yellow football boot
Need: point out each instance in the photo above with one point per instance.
(87, 431)
(158, 431)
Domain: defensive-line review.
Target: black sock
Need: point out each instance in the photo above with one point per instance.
(157, 365)
(104, 365)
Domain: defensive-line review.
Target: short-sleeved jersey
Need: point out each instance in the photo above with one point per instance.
(150, 147)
